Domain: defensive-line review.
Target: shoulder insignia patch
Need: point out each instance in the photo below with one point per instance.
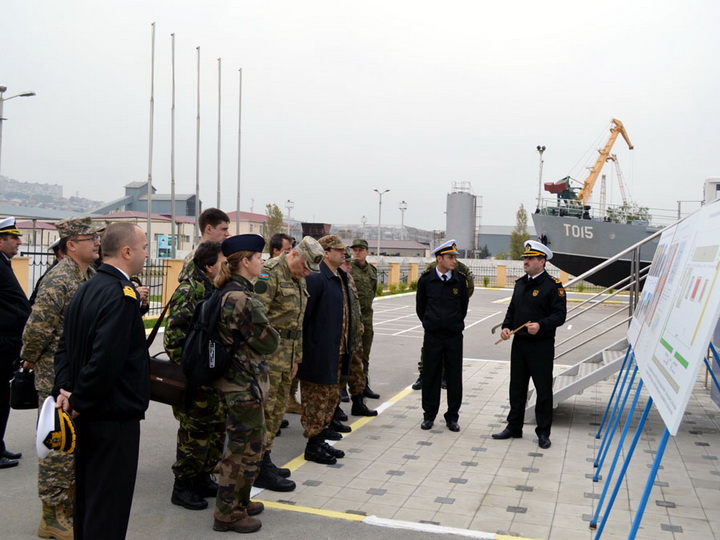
(128, 290)
(556, 280)
(264, 276)
(561, 291)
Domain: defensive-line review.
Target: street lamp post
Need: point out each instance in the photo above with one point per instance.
(289, 205)
(380, 194)
(3, 99)
(540, 150)
(363, 220)
(402, 206)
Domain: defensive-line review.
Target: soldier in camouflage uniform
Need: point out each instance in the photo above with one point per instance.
(470, 280)
(357, 380)
(282, 290)
(56, 472)
(246, 384)
(201, 434)
(365, 276)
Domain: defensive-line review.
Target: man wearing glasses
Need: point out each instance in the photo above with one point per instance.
(80, 242)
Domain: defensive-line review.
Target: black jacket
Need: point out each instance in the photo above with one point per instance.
(442, 305)
(102, 357)
(14, 313)
(322, 327)
(541, 300)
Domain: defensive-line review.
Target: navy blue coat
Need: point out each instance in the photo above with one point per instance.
(14, 313)
(322, 327)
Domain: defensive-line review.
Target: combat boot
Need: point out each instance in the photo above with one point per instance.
(314, 451)
(334, 452)
(268, 479)
(340, 414)
(417, 385)
(359, 408)
(253, 508)
(244, 524)
(293, 406)
(54, 523)
(280, 471)
(368, 393)
(205, 485)
(338, 426)
(184, 495)
(344, 396)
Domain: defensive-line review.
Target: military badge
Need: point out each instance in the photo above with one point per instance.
(536, 292)
(561, 291)
(128, 290)
(455, 291)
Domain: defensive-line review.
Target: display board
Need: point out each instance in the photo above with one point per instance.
(678, 311)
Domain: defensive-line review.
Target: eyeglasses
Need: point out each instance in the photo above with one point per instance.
(92, 239)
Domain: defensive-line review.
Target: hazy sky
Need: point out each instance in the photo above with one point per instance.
(339, 98)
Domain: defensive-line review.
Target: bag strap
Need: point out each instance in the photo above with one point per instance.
(156, 328)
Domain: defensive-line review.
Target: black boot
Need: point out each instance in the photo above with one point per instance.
(338, 426)
(280, 471)
(359, 408)
(417, 385)
(340, 414)
(314, 451)
(368, 393)
(344, 396)
(267, 479)
(184, 495)
(205, 485)
(334, 452)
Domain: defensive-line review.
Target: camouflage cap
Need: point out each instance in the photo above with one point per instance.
(331, 241)
(312, 253)
(76, 226)
(348, 254)
(359, 242)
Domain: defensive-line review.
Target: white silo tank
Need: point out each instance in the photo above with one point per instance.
(460, 221)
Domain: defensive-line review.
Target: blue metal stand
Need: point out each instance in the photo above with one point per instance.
(612, 396)
(649, 484)
(623, 392)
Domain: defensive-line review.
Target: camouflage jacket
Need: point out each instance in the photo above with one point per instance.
(284, 300)
(358, 329)
(188, 268)
(193, 287)
(243, 316)
(44, 327)
(366, 281)
(465, 271)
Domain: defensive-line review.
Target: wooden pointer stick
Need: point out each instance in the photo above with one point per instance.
(516, 330)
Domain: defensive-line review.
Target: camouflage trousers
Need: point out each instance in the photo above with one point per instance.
(240, 465)
(56, 475)
(367, 340)
(275, 404)
(356, 379)
(318, 406)
(201, 435)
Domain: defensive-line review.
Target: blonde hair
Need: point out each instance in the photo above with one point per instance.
(231, 266)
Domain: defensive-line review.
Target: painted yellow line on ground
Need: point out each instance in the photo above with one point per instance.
(315, 511)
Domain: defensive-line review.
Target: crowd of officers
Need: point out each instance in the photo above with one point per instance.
(303, 317)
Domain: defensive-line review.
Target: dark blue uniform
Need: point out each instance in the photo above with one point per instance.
(541, 300)
(102, 358)
(442, 306)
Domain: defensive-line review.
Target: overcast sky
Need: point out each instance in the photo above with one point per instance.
(339, 98)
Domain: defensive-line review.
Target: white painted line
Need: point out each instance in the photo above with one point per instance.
(408, 330)
(483, 319)
(426, 527)
(395, 319)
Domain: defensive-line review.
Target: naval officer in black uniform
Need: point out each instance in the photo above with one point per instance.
(441, 304)
(102, 377)
(539, 299)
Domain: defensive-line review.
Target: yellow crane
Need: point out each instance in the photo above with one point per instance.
(616, 129)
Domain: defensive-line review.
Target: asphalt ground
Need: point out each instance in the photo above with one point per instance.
(393, 367)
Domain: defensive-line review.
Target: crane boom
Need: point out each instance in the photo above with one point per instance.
(621, 181)
(615, 130)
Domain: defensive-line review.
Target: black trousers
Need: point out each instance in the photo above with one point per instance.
(442, 350)
(531, 359)
(9, 361)
(106, 460)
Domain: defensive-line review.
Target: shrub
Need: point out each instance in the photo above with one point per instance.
(413, 285)
(402, 287)
(393, 288)
(380, 290)
(486, 281)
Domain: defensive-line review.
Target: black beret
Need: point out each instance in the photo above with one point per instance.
(243, 242)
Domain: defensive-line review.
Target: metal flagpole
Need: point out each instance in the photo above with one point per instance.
(237, 204)
(219, 133)
(197, 154)
(150, 152)
(173, 235)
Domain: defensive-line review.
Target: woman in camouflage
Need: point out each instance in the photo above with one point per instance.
(245, 385)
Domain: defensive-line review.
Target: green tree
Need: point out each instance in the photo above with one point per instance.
(628, 212)
(484, 253)
(274, 222)
(519, 235)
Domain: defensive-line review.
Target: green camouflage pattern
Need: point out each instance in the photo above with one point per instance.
(366, 281)
(44, 327)
(284, 300)
(356, 378)
(243, 455)
(318, 406)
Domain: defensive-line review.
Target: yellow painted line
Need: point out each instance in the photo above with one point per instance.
(401, 394)
(314, 511)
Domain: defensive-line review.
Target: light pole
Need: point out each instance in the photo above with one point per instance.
(380, 194)
(289, 205)
(540, 150)
(402, 206)
(363, 220)
(3, 99)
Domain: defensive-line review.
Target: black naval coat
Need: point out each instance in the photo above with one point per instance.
(14, 313)
(102, 357)
(541, 300)
(442, 305)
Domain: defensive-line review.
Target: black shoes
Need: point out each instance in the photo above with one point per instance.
(368, 393)
(330, 434)
(338, 426)
(270, 476)
(417, 385)
(280, 471)
(6, 463)
(426, 424)
(184, 494)
(344, 396)
(544, 441)
(340, 414)
(315, 451)
(334, 452)
(452, 425)
(285, 423)
(507, 434)
(11, 455)
(359, 408)
(205, 485)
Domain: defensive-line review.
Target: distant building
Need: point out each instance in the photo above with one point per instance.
(136, 200)
(497, 238)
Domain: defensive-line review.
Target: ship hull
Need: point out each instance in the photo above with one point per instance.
(581, 244)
